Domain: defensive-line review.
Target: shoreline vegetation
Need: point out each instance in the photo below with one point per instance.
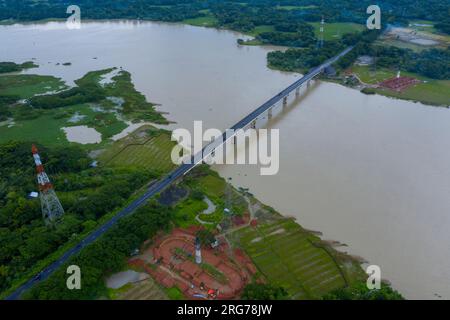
(83, 189)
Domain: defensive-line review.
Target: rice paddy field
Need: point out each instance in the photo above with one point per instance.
(146, 147)
(291, 257)
(143, 290)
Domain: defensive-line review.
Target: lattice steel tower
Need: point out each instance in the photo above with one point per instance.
(50, 205)
(322, 23)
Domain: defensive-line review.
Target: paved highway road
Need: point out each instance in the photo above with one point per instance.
(169, 179)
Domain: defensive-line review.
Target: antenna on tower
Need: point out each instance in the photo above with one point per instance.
(50, 205)
(322, 23)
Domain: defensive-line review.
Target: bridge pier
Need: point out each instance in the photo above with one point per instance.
(284, 101)
(297, 92)
(269, 113)
(253, 124)
(308, 83)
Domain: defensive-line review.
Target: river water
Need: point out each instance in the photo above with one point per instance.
(369, 171)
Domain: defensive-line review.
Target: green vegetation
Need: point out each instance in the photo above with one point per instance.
(87, 194)
(6, 67)
(25, 86)
(430, 91)
(147, 148)
(432, 63)
(174, 293)
(336, 30)
(262, 291)
(187, 210)
(216, 274)
(105, 256)
(434, 92)
(206, 21)
(359, 291)
(41, 117)
(296, 7)
(294, 259)
(303, 59)
(143, 290)
(206, 237)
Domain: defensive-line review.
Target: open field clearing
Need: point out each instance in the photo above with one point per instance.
(431, 91)
(26, 86)
(142, 290)
(46, 126)
(146, 147)
(207, 21)
(333, 31)
(288, 256)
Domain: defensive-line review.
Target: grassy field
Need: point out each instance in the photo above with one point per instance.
(434, 92)
(174, 293)
(260, 29)
(107, 116)
(46, 126)
(216, 189)
(146, 147)
(26, 86)
(207, 21)
(336, 30)
(143, 290)
(288, 256)
(430, 91)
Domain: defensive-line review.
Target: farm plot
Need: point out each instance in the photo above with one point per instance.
(143, 290)
(143, 148)
(286, 255)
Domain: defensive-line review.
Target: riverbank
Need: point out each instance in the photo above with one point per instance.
(428, 91)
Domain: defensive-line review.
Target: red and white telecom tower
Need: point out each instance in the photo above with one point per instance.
(51, 207)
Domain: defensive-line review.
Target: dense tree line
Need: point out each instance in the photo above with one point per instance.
(263, 291)
(105, 256)
(291, 35)
(5, 102)
(432, 63)
(306, 58)
(85, 193)
(77, 95)
(235, 14)
(359, 291)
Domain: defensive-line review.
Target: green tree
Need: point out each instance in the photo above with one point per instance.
(262, 291)
(359, 291)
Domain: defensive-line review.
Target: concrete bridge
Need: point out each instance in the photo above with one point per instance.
(250, 119)
(178, 173)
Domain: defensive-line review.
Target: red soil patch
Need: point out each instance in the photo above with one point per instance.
(173, 264)
(399, 84)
